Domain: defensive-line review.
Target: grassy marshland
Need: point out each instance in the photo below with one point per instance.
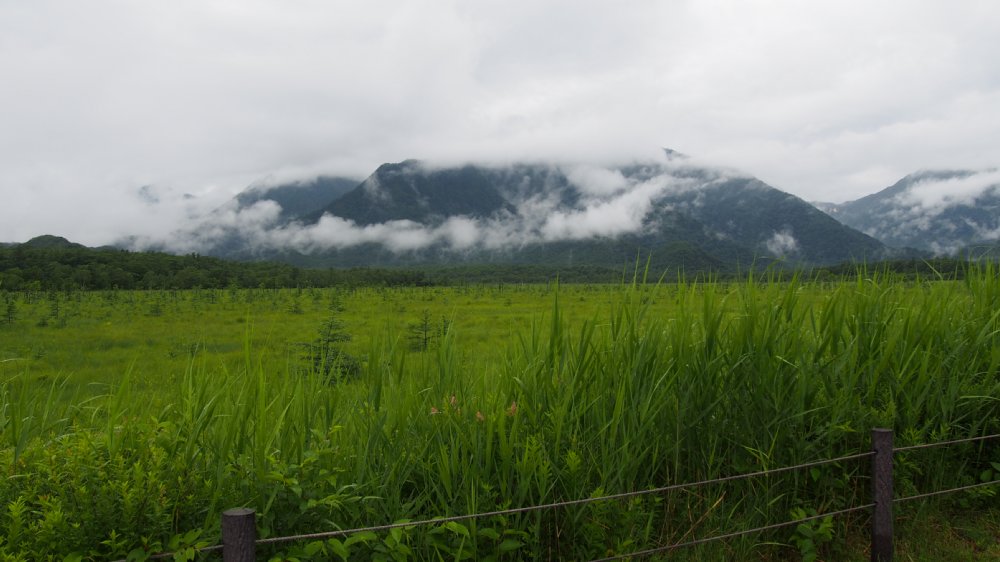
(135, 418)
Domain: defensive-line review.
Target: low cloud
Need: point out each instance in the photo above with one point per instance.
(935, 196)
(624, 212)
(607, 204)
(940, 214)
(783, 243)
(596, 181)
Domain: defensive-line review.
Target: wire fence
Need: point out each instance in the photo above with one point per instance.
(944, 443)
(675, 546)
(246, 542)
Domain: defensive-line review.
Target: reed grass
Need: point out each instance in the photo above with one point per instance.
(669, 384)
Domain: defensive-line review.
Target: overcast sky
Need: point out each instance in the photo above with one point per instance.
(123, 117)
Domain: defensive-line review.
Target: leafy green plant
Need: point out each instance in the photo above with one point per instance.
(810, 536)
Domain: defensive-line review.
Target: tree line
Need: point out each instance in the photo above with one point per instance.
(79, 268)
(68, 267)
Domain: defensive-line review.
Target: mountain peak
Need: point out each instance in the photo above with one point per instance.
(673, 155)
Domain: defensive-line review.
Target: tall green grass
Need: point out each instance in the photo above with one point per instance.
(671, 384)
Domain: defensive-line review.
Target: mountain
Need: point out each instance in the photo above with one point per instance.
(681, 214)
(50, 242)
(940, 211)
(297, 198)
(408, 191)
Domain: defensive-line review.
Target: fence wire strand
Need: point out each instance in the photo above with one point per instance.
(943, 443)
(568, 503)
(626, 495)
(942, 492)
(651, 551)
(166, 555)
(519, 510)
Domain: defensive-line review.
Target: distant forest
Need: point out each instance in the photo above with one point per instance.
(52, 264)
(57, 265)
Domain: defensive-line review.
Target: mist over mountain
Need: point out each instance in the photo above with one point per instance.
(298, 198)
(939, 211)
(679, 213)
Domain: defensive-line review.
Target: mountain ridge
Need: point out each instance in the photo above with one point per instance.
(937, 211)
(678, 214)
(685, 215)
(296, 198)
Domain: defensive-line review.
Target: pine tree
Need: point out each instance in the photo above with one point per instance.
(325, 353)
(421, 332)
(11, 311)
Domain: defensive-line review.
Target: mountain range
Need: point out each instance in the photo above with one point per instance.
(937, 211)
(673, 212)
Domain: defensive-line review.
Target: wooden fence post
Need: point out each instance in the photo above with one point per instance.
(239, 534)
(882, 495)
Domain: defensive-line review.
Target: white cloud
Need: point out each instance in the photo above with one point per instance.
(829, 101)
(612, 216)
(934, 196)
(782, 243)
(593, 180)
